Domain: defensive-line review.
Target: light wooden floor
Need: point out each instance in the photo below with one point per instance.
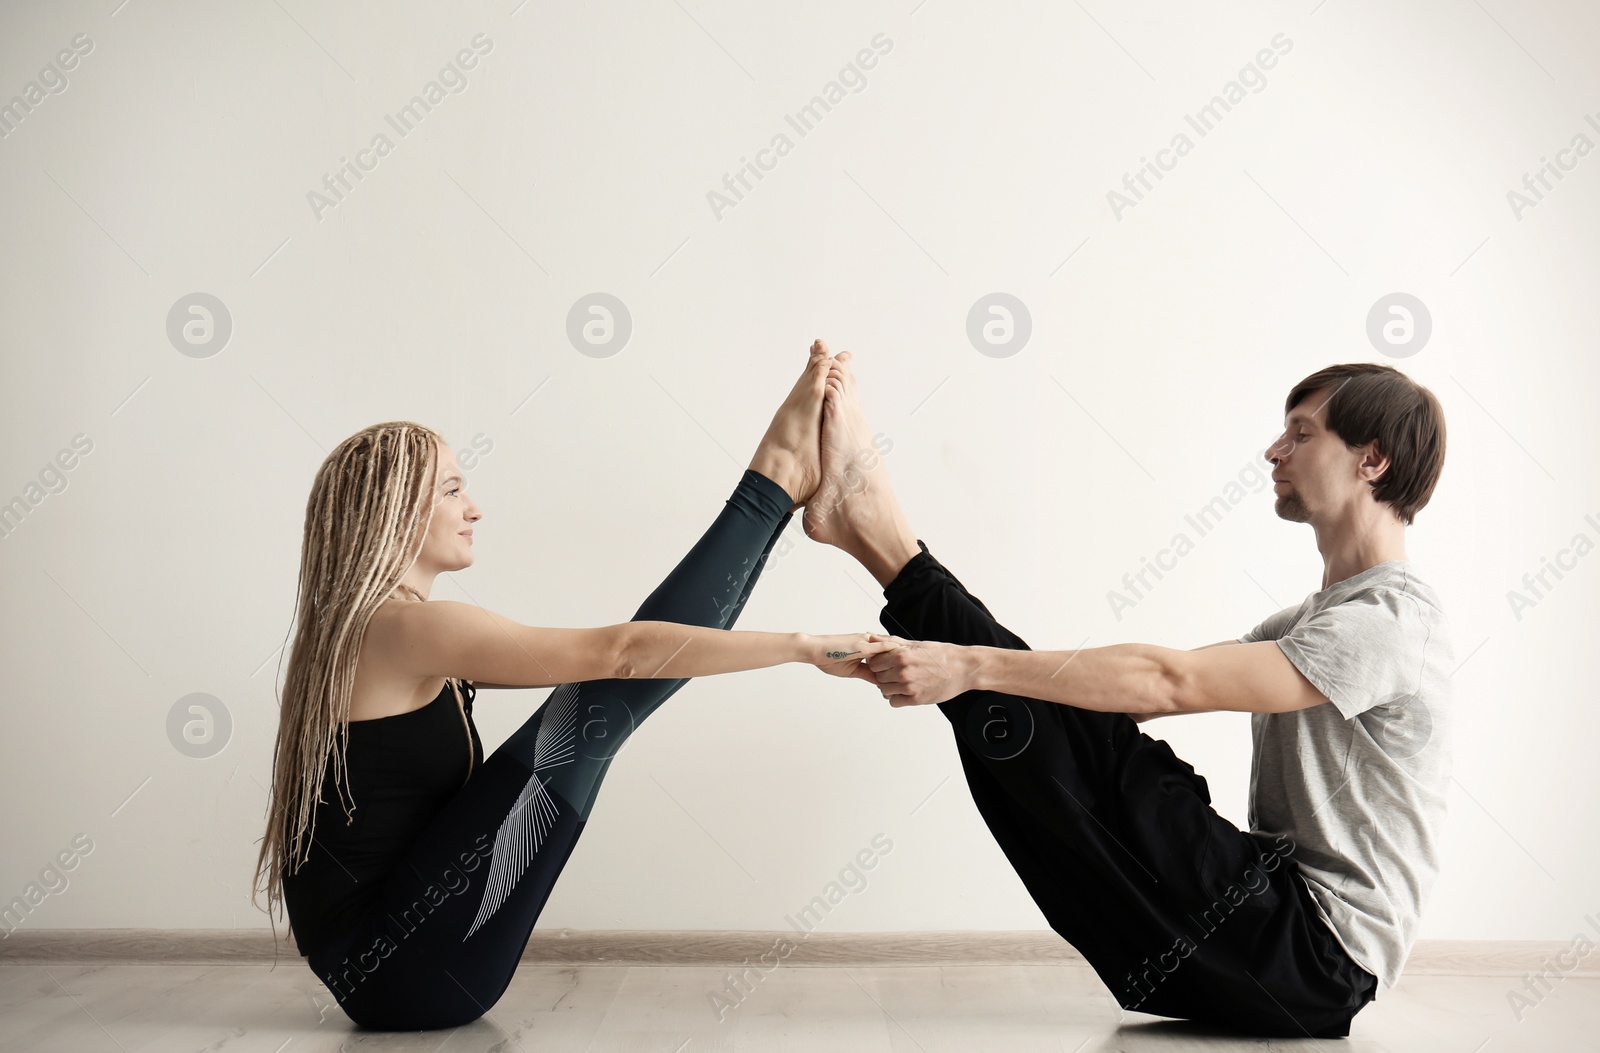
(1055, 1008)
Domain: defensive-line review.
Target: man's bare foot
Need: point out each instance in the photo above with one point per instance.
(854, 508)
(788, 451)
(844, 502)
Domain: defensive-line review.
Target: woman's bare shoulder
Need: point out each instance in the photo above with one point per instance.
(381, 688)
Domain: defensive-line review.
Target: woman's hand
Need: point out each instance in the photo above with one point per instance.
(846, 655)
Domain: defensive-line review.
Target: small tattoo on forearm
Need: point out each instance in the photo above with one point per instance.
(842, 654)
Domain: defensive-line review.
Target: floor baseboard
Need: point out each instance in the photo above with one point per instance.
(718, 948)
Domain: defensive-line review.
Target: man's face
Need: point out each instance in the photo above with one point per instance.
(1302, 458)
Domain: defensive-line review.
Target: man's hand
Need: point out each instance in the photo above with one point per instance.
(921, 672)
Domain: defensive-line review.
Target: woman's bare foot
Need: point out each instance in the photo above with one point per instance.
(854, 508)
(788, 451)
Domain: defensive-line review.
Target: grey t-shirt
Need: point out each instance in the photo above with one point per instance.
(1358, 783)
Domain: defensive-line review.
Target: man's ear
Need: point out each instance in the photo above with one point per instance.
(1375, 459)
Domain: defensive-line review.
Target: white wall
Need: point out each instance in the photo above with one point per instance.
(979, 156)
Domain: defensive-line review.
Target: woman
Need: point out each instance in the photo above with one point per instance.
(413, 887)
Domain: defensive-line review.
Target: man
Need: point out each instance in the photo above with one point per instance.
(1291, 927)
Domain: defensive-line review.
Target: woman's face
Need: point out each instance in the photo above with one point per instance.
(448, 545)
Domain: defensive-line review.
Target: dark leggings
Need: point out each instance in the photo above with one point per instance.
(447, 930)
(1180, 913)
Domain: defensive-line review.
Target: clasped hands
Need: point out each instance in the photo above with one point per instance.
(906, 672)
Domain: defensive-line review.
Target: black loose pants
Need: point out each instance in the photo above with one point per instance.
(1180, 913)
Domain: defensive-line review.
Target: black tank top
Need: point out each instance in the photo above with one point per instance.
(401, 770)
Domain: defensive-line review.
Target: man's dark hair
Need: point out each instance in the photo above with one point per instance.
(1369, 401)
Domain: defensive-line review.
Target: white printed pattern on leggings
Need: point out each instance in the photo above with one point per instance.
(531, 818)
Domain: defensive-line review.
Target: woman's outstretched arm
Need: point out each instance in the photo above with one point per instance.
(448, 638)
(669, 649)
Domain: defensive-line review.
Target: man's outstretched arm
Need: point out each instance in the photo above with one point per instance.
(1133, 678)
(1142, 717)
